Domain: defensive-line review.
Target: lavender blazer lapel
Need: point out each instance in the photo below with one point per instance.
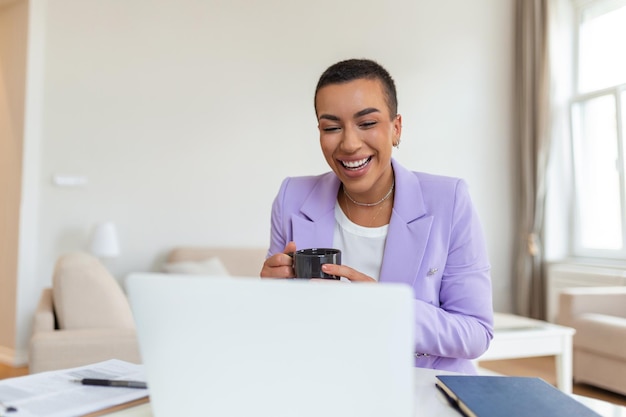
(408, 232)
(315, 223)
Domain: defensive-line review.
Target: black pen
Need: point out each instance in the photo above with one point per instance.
(6, 408)
(112, 383)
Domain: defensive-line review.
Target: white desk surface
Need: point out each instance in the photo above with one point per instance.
(428, 401)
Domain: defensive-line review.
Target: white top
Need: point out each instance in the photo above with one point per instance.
(361, 247)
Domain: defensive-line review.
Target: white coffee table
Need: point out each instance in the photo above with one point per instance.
(521, 337)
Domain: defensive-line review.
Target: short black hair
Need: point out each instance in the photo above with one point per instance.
(356, 69)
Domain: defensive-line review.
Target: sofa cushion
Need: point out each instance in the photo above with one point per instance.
(86, 295)
(70, 348)
(601, 333)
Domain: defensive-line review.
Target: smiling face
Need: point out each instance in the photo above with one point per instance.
(357, 133)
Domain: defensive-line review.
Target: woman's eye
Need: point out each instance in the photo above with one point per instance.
(367, 125)
(331, 129)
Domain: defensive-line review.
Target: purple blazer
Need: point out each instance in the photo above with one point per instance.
(435, 244)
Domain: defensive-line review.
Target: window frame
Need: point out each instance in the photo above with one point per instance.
(618, 93)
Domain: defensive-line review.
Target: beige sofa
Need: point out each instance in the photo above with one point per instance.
(84, 318)
(599, 316)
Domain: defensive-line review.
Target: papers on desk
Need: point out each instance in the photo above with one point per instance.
(56, 394)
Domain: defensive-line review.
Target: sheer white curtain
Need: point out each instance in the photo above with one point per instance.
(539, 115)
(559, 185)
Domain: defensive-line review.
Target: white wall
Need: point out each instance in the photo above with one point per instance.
(186, 115)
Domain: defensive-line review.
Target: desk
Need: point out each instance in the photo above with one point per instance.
(521, 337)
(428, 401)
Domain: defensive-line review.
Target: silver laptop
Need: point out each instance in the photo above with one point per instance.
(250, 347)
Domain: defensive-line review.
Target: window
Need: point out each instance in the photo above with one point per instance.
(598, 116)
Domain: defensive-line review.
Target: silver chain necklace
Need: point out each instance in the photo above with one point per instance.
(393, 183)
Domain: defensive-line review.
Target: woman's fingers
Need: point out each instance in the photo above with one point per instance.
(347, 272)
(279, 265)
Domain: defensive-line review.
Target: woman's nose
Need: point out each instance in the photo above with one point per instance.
(350, 141)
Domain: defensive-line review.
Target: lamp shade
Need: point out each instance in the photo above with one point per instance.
(104, 242)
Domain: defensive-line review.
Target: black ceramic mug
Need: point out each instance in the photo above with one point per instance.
(307, 263)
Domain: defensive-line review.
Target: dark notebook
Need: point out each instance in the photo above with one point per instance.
(509, 396)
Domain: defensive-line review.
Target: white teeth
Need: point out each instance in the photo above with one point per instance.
(355, 164)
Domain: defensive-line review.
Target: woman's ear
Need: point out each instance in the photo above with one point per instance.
(397, 129)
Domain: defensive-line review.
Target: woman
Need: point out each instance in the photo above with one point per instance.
(391, 224)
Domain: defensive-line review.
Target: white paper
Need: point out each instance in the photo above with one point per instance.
(57, 394)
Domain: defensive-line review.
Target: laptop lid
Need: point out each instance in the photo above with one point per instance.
(250, 347)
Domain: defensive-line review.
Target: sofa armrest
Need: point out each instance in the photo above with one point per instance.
(601, 300)
(44, 320)
(70, 348)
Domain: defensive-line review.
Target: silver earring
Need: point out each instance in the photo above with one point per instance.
(397, 144)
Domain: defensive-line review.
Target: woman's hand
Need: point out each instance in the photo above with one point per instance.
(347, 272)
(280, 265)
